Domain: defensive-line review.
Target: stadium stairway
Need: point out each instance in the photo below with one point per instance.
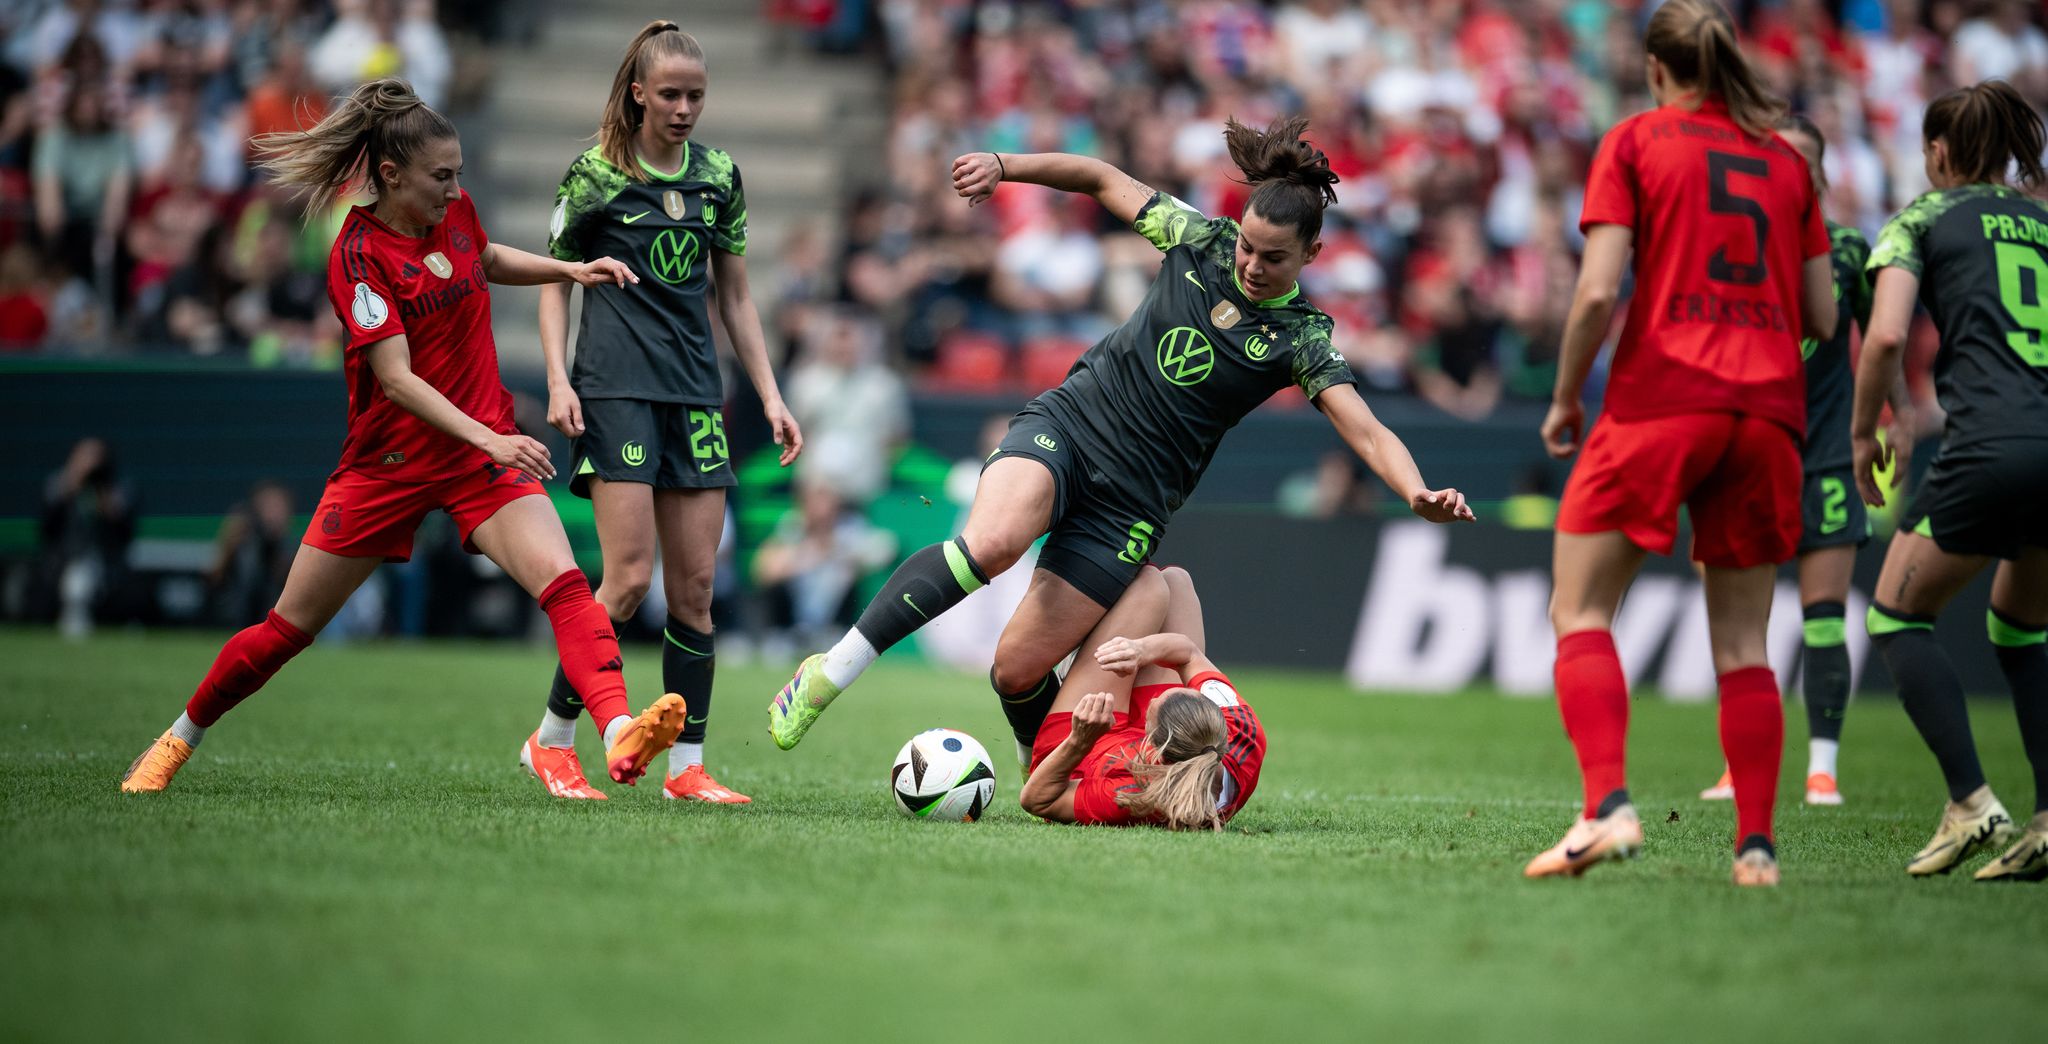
(797, 123)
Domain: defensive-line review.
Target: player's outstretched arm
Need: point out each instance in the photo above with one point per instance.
(511, 266)
(1387, 456)
(1175, 652)
(1585, 326)
(565, 409)
(743, 324)
(391, 360)
(1049, 793)
(1884, 346)
(976, 175)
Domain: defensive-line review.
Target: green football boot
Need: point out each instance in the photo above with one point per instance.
(800, 702)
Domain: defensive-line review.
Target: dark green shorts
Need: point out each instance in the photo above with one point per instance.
(1099, 539)
(663, 444)
(1831, 511)
(1990, 498)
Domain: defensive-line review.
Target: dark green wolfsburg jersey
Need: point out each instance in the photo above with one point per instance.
(652, 340)
(1830, 386)
(1153, 399)
(1981, 252)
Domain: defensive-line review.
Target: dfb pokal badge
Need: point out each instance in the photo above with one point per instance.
(437, 263)
(672, 201)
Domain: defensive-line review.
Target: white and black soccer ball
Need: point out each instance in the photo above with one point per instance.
(942, 774)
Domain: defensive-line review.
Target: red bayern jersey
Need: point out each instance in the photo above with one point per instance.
(1106, 771)
(430, 290)
(1723, 224)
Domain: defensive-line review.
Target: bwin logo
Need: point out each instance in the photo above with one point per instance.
(1045, 442)
(634, 454)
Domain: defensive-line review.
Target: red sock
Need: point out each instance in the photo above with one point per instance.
(1753, 739)
(1592, 696)
(244, 664)
(588, 646)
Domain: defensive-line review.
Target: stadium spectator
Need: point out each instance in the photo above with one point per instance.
(88, 521)
(809, 570)
(24, 321)
(377, 38)
(856, 410)
(251, 556)
(83, 180)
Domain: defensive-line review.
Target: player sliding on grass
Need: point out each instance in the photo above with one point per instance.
(1104, 460)
(1147, 730)
(429, 423)
(1833, 522)
(1704, 410)
(643, 402)
(1974, 251)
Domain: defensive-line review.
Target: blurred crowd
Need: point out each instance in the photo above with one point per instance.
(131, 216)
(1462, 130)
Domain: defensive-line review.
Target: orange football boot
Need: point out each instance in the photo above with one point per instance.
(152, 771)
(558, 769)
(1617, 835)
(1822, 790)
(654, 731)
(695, 784)
(1722, 790)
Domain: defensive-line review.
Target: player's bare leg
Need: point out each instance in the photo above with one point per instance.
(1142, 611)
(1012, 508)
(688, 522)
(525, 538)
(1051, 621)
(1918, 580)
(624, 512)
(317, 586)
(1591, 572)
(2018, 626)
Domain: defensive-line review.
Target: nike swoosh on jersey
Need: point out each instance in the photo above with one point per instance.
(1192, 279)
(636, 217)
(710, 467)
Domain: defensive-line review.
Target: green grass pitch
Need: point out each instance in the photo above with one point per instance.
(355, 854)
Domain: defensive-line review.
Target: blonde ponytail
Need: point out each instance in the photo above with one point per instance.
(380, 120)
(1695, 40)
(622, 115)
(1180, 770)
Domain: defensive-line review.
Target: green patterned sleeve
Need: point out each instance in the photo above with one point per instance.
(1167, 222)
(729, 232)
(578, 202)
(1900, 244)
(1855, 253)
(1318, 365)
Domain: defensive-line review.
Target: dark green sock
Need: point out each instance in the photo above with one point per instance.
(1825, 680)
(1932, 693)
(2023, 656)
(1027, 710)
(928, 583)
(562, 699)
(688, 661)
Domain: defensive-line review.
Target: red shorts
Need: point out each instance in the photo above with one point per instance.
(364, 517)
(1738, 476)
(1060, 724)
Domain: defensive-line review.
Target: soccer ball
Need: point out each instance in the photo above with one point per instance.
(942, 774)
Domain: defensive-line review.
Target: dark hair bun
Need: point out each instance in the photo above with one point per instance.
(1279, 154)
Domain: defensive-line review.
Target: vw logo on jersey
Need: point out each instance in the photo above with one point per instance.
(1256, 348)
(1185, 356)
(673, 254)
(369, 310)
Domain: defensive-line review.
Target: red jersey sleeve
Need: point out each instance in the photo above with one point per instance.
(359, 290)
(1611, 196)
(1244, 749)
